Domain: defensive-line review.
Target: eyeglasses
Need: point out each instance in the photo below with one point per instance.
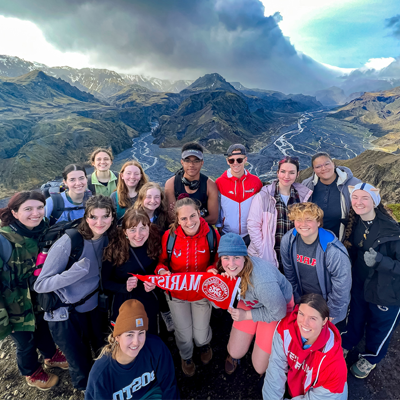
(327, 164)
(193, 162)
(232, 160)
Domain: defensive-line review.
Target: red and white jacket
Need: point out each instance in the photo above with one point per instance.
(236, 196)
(190, 253)
(316, 373)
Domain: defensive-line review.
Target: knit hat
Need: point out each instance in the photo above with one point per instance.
(132, 317)
(372, 191)
(232, 244)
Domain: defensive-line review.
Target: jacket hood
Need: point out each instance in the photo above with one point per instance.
(344, 175)
(325, 237)
(328, 341)
(303, 191)
(204, 229)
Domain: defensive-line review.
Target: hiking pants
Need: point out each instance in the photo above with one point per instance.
(76, 337)
(192, 321)
(378, 321)
(28, 342)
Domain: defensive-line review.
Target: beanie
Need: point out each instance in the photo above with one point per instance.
(232, 244)
(372, 191)
(132, 317)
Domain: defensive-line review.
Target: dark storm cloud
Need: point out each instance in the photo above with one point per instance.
(394, 24)
(184, 38)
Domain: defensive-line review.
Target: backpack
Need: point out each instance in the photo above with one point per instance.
(211, 239)
(5, 250)
(52, 187)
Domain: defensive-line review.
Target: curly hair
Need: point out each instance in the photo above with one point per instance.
(104, 203)
(122, 189)
(162, 210)
(186, 201)
(244, 274)
(117, 251)
(299, 210)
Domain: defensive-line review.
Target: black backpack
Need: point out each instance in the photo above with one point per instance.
(5, 250)
(211, 239)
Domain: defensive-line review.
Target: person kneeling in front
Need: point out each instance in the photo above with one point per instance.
(133, 365)
(307, 354)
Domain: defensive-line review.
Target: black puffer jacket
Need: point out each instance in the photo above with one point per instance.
(382, 286)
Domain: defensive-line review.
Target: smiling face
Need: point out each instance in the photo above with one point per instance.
(137, 235)
(324, 168)
(362, 203)
(131, 176)
(236, 168)
(102, 161)
(99, 221)
(76, 182)
(192, 166)
(30, 213)
(152, 200)
(189, 220)
(287, 174)
(232, 265)
(307, 226)
(130, 344)
(310, 323)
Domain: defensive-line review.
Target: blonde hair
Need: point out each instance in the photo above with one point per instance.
(123, 191)
(244, 274)
(109, 349)
(186, 201)
(299, 210)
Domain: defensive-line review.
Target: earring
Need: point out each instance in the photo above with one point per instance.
(127, 237)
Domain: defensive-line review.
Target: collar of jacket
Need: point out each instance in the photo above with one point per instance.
(95, 181)
(324, 237)
(343, 176)
(204, 229)
(230, 176)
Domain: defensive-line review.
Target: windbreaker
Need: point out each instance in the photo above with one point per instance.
(317, 373)
(236, 196)
(333, 270)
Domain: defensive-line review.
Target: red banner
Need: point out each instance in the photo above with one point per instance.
(193, 286)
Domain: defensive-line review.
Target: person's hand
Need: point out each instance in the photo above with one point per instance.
(213, 271)
(148, 286)
(131, 283)
(370, 257)
(237, 314)
(164, 272)
(226, 275)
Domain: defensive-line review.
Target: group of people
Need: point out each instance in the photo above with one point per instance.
(309, 256)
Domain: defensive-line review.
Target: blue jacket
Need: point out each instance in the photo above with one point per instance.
(333, 270)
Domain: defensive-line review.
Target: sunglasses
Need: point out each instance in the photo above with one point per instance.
(232, 160)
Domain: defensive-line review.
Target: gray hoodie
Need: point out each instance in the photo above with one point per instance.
(333, 270)
(269, 292)
(345, 179)
(77, 282)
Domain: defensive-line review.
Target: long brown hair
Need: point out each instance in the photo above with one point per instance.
(117, 251)
(122, 189)
(186, 201)
(104, 203)
(6, 216)
(244, 274)
(162, 210)
(92, 157)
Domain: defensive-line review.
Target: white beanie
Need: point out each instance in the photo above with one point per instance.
(372, 191)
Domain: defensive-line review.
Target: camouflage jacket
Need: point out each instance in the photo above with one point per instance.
(16, 309)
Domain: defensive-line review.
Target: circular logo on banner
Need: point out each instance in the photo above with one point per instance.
(215, 289)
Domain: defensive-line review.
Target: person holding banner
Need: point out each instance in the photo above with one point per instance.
(265, 298)
(186, 248)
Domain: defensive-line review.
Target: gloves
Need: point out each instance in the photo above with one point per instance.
(370, 257)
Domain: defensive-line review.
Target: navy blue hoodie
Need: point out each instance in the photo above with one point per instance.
(150, 375)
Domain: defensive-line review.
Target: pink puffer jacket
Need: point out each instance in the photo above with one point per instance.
(261, 221)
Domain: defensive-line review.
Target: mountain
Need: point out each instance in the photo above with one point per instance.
(215, 119)
(379, 112)
(209, 82)
(378, 168)
(331, 96)
(100, 82)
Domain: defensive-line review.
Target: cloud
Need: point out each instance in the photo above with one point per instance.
(394, 24)
(177, 39)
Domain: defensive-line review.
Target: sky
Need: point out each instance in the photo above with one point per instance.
(285, 44)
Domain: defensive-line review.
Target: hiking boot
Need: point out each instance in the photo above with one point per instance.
(169, 322)
(188, 367)
(345, 352)
(41, 379)
(231, 364)
(57, 361)
(206, 354)
(362, 368)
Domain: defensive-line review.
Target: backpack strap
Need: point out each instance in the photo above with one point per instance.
(170, 246)
(177, 183)
(58, 207)
(203, 190)
(5, 249)
(212, 243)
(77, 244)
(90, 184)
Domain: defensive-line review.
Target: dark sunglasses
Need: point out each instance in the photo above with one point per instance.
(232, 160)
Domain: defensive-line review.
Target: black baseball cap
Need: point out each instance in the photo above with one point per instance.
(237, 148)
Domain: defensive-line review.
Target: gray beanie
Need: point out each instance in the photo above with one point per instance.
(232, 244)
